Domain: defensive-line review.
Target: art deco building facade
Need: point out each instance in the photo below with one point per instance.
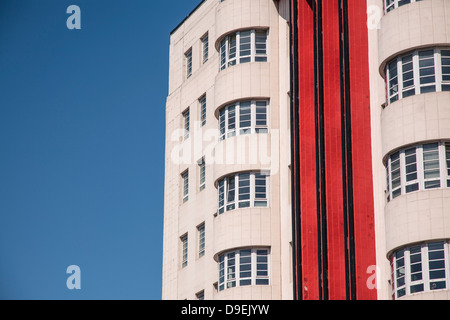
(227, 213)
(411, 134)
(308, 151)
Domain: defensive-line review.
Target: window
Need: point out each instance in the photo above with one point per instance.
(202, 102)
(188, 57)
(205, 48)
(243, 190)
(244, 267)
(186, 123)
(390, 5)
(200, 295)
(202, 174)
(415, 168)
(419, 268)
(201, 240)
(242, 47)
(184, 251)
(185, 185)
(243, 117)
(418, 72)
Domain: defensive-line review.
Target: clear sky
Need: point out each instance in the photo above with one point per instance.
(82, 120)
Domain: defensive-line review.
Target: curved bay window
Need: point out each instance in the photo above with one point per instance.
(420, 167)
(419, 268)
(418, 72)
(390, 5)
(244, 267)
(242, 47)
(244, 117)
(243, 190)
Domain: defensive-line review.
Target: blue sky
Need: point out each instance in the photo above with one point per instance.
(82, 119)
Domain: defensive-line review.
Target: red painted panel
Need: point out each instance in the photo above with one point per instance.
(307, 152)
(333, 150)
(361, 141)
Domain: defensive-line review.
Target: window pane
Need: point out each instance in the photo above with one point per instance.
(223, 54)
(221, 196)
(437, 285)
(231, 193)
(431, 165)
(232, 50)
(417, 288)
(260, 186)
(393, 81)
(245, 117)
(245, 46)
(222, 124)
(231, 121)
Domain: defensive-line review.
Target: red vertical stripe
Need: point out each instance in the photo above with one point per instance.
(333, 149)
(307, 152)
(361, 141)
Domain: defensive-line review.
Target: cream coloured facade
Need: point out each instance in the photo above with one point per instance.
(227, 227)
(227, 223)
(410, 107)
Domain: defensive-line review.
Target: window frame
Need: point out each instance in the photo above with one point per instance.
(394, 4)
(395, 72)
(231, 119)
(234, 271)
(185, 186)
(205, 47)
(201, 232)
(203, 108)
(423, 183)
(188, 63)
(184, 239)
(201, 174)
(232, 48)
(233, 196)
(186, 116)
(402, 282)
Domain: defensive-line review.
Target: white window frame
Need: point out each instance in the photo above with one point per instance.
(186, 123)
(226, 115)
(188, 61)
(203, 106)
(201, 231)
(402, 282)
(228, 190)
(395, 86)
(231, 271)
(230, 58)
(423, 183)
(185, 186)
(184, 250)
(201, 174)
(205, 47)
(390, 5)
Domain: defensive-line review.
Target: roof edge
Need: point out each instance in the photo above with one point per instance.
(187, 17)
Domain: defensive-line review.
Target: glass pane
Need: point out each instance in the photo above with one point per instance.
(417, 288)
(437, 285)
(245, 117)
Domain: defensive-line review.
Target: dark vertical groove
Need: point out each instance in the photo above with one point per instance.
(320, 153)
(295, 161)
(347, 155)
(343, 143)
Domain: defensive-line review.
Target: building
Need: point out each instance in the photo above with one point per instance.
(227, 223)
(410, 106)
(308, 151)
